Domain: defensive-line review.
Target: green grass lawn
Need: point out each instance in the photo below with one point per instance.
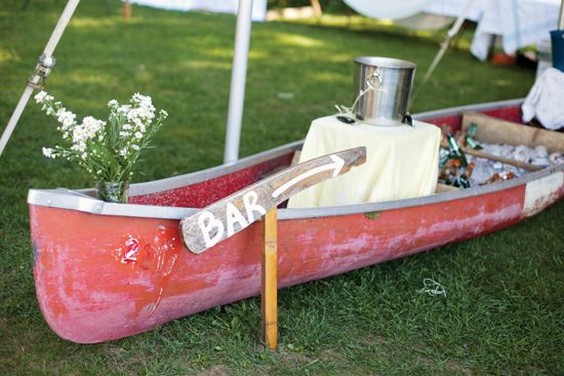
(504, 309)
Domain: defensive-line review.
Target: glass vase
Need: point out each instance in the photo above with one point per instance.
(113, 191)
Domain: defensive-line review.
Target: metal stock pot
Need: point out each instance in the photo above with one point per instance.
(382, 88)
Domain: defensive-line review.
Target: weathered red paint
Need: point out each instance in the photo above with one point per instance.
(207, 192)
(89, 291)
(100, 278)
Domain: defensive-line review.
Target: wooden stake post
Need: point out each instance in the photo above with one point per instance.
(234, 213)
(126, 9)
(269, 285)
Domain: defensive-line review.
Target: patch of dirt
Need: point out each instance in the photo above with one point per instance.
(219, 370)
(451, 366)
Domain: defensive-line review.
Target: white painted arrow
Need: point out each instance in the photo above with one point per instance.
(336, 166)
(234, 213)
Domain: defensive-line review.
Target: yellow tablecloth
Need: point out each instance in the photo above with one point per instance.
(402, 162)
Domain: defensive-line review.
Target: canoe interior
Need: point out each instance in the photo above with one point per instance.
(204, 193)
(454, 120)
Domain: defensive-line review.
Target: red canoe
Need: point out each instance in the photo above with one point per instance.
(105, 271)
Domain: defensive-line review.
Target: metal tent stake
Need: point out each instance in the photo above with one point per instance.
(269, 287)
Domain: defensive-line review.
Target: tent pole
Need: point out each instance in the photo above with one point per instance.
(42, 69)
(561, 17)
(238, 77)
(450, 34)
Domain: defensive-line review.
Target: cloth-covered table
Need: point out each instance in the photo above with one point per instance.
(402, 162)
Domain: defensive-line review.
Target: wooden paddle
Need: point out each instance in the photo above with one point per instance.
(236, 212)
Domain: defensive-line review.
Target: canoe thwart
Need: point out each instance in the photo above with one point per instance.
(496, 131)
(492, 157)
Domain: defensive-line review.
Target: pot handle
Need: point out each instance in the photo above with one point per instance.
(370, 81)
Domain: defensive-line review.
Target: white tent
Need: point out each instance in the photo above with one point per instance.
(519, 23)
(219, 6)
(527, 20)
(388, 9)
(238, 76)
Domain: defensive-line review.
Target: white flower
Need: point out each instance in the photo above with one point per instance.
(92, 126)
(48, 110)
(40, 97)
(66, 118)
(124, 110)
(140, 115)
(79, 147)
(48, 152)
(78, 134)
(142, 101)
(107, 150)
(138, 123)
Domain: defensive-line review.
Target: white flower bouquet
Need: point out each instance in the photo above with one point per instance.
(107, 150)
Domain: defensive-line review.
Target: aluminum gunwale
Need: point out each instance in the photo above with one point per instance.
(212, 172)
(456, 110)
(66, 199)
(85, 202)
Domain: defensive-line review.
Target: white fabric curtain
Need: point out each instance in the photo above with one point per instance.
(220, 6)
(388, 9)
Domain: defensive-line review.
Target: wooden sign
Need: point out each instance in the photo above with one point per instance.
(236, 212)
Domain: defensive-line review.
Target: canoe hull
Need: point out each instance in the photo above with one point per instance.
(107, 275)
(104, 280)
